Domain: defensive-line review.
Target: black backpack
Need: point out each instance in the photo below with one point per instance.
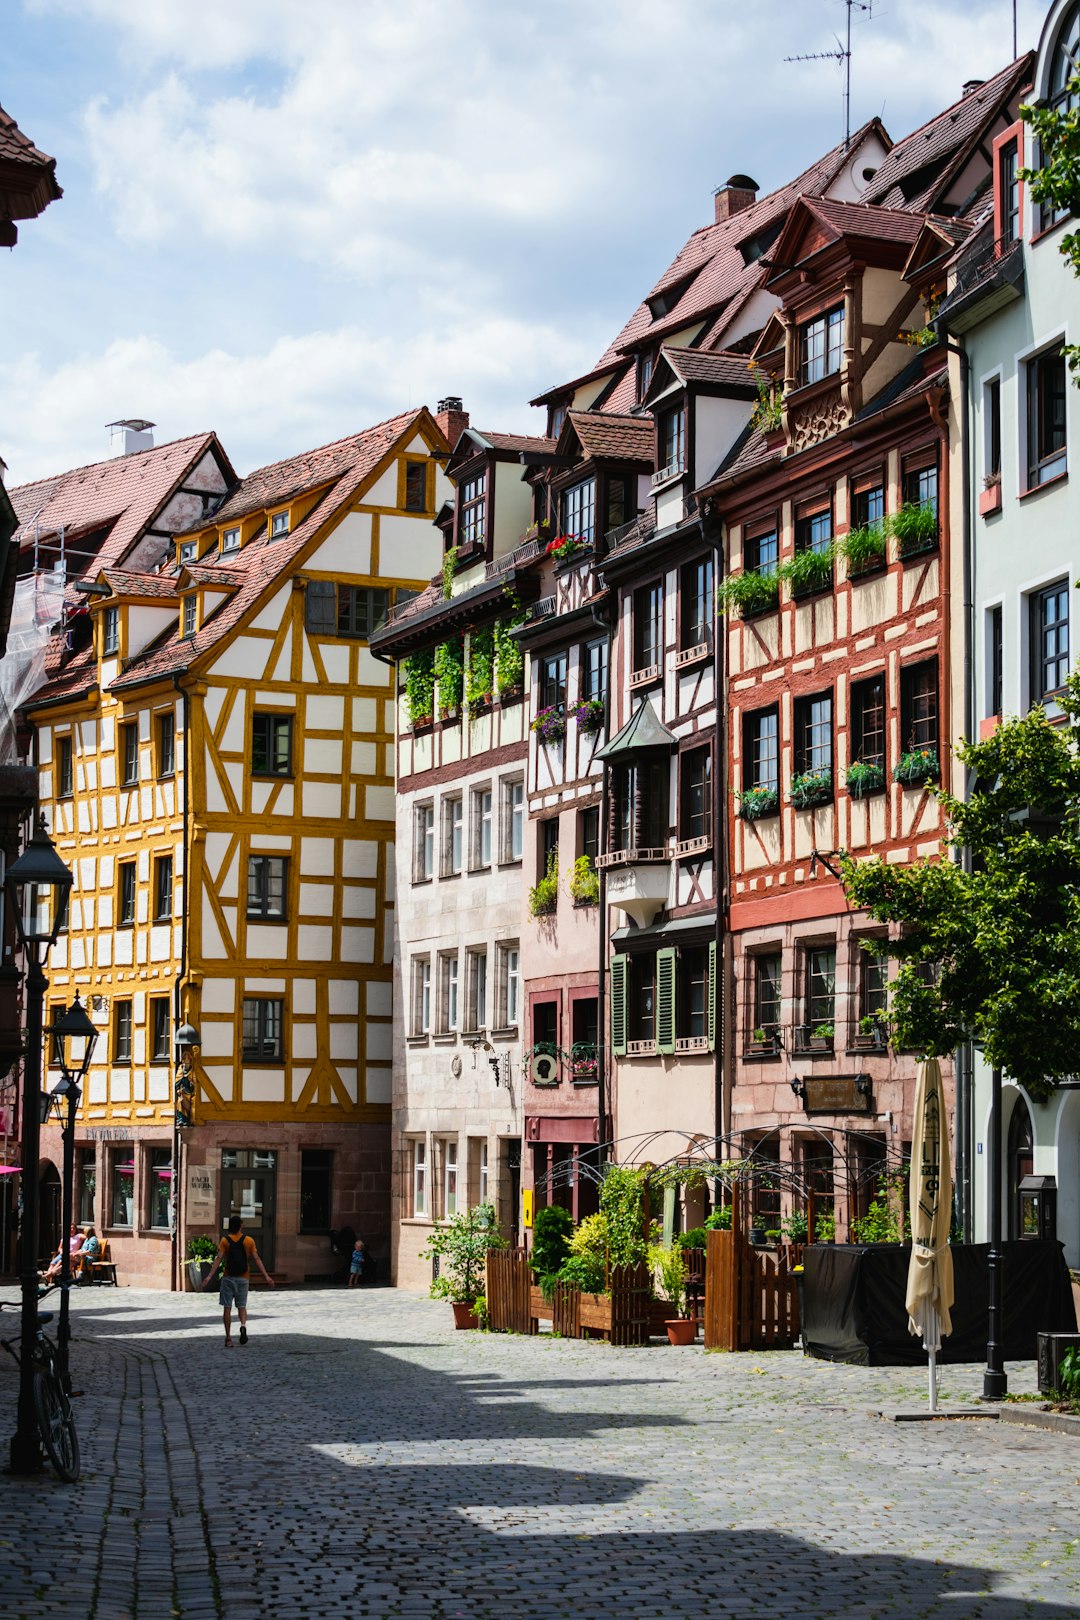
(235, 1257)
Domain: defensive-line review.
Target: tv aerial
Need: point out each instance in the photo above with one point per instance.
(842, 55)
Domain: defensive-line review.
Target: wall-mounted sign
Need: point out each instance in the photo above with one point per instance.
(837, 1094)
(201, 1195)
(107, 1133)
(527, 1196)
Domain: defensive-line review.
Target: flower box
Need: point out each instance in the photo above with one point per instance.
(758, 802)
(864, 779)
(990, 499)
(919, 766)
(811, 788)
(589, 715)
(550, 725)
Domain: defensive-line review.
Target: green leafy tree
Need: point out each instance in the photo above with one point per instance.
(1057, 181)
(992, 953)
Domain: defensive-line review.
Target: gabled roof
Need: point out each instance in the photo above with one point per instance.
(714, 368)
(473, 442)
(120, 496)
(127, 582)
(644, 729)
(27, 175)
(211, 574)
(612, 438)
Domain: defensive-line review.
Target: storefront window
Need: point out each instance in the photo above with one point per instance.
(160, 1187)
(122, 1205)
(87, 1186)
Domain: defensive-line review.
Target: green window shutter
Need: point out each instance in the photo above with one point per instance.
(665, 1001)
(710, 996)
(618, 1006)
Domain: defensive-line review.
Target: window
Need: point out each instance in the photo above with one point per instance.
(421, 995)
(419, 1178)
(594, 670)
(122, 1199)
(695, 794)
(263, 1029)
(1062, 97)
(1049, 641)
(761, 549)
(589, 832)
(585, 1021)
(648, 626)
(641, 998)
(360, 610)
(509, 964)
(448, 993)
(766, 991)
(266, 887)
(482, 1182)
(453, 813)
(316, 1186)
(868, 500)
(696, 603)
(189, 551)
(547, 844)
(814, 529)
(619, 499)
(545, 1025)
(87, 1187)
(271, 744)
(476, 1004)
(995, 660)
(230, 539)
(122, 1031)
(481, 825)
(646, 362)
(577, 510)
(919, 483)
(513, 819)
(992, 427)
(1046, 447)
(473, 520)
(163, 888)
(159, 1029)
(424, 839)
(813, 733)
(1009, 191)
(279, 525)
(191, 616)
(450, 1185)
(553, 681)
(873, 985)
(919, 706)
(820, 987)
(640, 802)
(166, 741)
(129, 754)
(671, 442)
(64, 771)
(868, 721)
(761, 749)
(692, 992)
(159, 1175)
(125, 904)
(821, 347)
(416, 486)
(110, 630)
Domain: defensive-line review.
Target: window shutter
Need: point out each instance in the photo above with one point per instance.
(710, 996)
(665, 1001)
(618, 1006)
(320, 607)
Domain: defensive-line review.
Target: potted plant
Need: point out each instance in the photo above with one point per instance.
(990, 499)
(757, 1232)
(917, 766)
(550, 724)
(749, 593)
(865, 549)
(755, 803)
(864, 778)
(544, 897)
(563, 547)
(461, 1247)
(871, 1036)
(584, 1062)
(584, 882)
(719, 1220)
(821, 1037)
(794, 1227)
(825, 1227)
(589, 715)
(201, 1253)
(681, 1329)
(810, 788)
(809, 571)
(915, 526)
(764, 1042)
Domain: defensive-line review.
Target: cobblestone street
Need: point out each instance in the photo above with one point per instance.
(359, 1458)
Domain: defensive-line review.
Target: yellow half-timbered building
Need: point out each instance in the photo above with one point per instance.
(218, 769)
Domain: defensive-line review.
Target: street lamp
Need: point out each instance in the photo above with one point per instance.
(37, 886)
(187, 1039)
(74, 1038)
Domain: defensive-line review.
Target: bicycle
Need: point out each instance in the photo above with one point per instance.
(52, 1403)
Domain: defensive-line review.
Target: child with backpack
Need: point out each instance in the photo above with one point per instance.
(235, 1254)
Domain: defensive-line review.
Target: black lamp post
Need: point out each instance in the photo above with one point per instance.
(187, 1039)
(995, 1378)
(74, 1038)
(37, 887)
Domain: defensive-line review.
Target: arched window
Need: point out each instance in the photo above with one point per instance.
(1021, 1163)
(1065, 62)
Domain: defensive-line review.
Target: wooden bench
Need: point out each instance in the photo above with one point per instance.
(101, 1270)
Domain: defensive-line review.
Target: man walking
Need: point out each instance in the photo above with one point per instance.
(235, 1254)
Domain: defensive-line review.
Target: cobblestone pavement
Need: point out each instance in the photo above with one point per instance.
(359, 1458)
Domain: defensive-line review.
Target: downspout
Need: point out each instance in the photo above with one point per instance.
(602, 952)
(178, 1013)
(721, 1090)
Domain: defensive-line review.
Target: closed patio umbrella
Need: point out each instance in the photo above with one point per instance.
(929, 1295)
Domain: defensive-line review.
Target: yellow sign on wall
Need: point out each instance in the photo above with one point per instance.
(527, 1196)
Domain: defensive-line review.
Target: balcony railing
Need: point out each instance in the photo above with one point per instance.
(634, 533)
(633, 856)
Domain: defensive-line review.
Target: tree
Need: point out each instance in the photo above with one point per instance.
(1057, 180)
(990, 950)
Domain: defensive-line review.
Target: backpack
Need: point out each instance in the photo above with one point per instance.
(235, 1257)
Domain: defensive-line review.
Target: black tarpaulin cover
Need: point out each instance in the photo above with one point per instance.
(853, 1302)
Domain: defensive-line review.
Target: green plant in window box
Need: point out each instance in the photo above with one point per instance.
(822, 1035)
(589, 714)
(765, 1041)
(449, 672)
(810, 788)
(420, 687)
(748, 593)
(809, 571)
(864, 548)
(449, 565)
(915, 526)
(509, 657)
(584, 882)
(872, 1035)
(917, 766)
(757, 802)
(825, 1227)
(863, 779)
(544, 897)
(480, 674)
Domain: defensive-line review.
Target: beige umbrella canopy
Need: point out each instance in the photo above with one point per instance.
(929, 1295)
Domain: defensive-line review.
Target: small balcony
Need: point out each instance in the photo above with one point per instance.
(638, 882)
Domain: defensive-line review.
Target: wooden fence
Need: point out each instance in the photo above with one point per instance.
(509, 1279)
(751, 1299)
(516, 1305)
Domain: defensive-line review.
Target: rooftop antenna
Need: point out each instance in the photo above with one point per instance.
(842, 54)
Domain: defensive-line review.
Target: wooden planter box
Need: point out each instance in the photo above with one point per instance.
(540, 1309)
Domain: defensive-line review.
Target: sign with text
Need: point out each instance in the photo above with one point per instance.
(837, 1094)
(201, 1195)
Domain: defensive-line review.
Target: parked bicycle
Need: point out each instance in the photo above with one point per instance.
(52, 1403)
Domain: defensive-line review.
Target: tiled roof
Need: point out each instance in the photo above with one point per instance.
(912, 381)
(624, 393)
(750, 451)
(121, 495)
(77, 676)
(860, 219)
(210, 574)
(126, 582)
(916, 171)
(27, 175)
(517, 441)
(710, 365)
(626, 438)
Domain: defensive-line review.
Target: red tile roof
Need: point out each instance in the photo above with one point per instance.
(27, 175)
(212, 574)
(126, 582)
(517, 441)
(624, 438)
(861, 220)
(710, 365)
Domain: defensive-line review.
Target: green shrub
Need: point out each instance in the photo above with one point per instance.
(622, 1206)
(672, 1268)
(480, 675)
(584, 882)
(552, 1227)
(449, 564)
(719, 1220)
(863, 547)
(509, 656)
(449, 673)
(201, 1248)
(748, 593)
(915, 526)
(795, 1227)
(825, 1227)
(544, 897)
(461, 1246)
(584, 1271)
(696, 1238)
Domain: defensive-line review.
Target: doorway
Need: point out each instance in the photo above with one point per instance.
(48, 1211)
(1021, 1163)
(248, 1189)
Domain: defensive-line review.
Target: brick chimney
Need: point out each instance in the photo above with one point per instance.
(452, 418)
(733, 196)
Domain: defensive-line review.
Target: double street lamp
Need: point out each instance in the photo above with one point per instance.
(74, 1038)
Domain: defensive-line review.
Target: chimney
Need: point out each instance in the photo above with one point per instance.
(733, 196)
(130, 435)
(971, 85)
(452, 418)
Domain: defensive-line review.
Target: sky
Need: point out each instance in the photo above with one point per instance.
(288, 219)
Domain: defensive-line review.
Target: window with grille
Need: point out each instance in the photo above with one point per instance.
(813, 733)
(472, 530)
(230, 540)
(125, 910)
(1046, 438)
(640, 805)
(648, 626)
(821, 346)
(553, 681)
(1049, 641)
(279, 525)
(577, 509)
(266, 887)
(589, 832)
(263, 1029)
(761, 749)
(868, 721)
(110, 633)
(191, 615)
(271, 744)
(450, 1163)
(163, 888)
(696, 600)
(122, 1191)
(919, 705)
(692, 993)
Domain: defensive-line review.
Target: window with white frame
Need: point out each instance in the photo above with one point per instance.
(509, 961)
(279, 525)
(423, 843)
(450, 1178)
(481, 827)
(110, 636)
(419, 1179)
(421, 995)
(452, 831)
(230, 540)
(448, 992)
(476, 990)
(482, 1189)
(513, 819)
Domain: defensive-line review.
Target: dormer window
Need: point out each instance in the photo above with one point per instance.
(279, 525)
(645, 366)
(189, 551)
(671, 441)
(110, 631)
(190, 615)
(230, 539)
(473, 530)
(578, 510)
(556, 418)
(821, 347)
